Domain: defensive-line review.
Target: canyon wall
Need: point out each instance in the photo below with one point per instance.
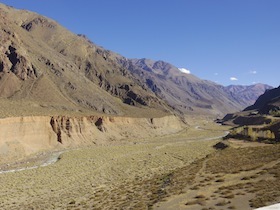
(21, 136)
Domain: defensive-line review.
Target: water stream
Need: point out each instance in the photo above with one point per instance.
(51, 160)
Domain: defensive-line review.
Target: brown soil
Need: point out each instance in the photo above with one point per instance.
(243, 176)
(132, 175)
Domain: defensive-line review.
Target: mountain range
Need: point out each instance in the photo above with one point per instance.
(264, 110)
(259, 121)
(46, 68)
(186, 93)
(268, 102)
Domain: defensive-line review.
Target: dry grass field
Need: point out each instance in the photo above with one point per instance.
(179, 171)
(242, 176)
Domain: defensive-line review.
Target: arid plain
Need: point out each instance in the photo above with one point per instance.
(178, 171)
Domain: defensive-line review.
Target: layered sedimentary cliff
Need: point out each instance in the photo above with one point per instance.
(21, 136)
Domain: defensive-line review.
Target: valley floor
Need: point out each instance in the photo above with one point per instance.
(179, 171)
(243, 176)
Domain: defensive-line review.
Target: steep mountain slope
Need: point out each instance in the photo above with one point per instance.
(262, 111)
(268, 102)
(45, 67)
(43, 62)
(187, 93)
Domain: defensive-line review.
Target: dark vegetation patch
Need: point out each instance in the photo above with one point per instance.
(220, 146)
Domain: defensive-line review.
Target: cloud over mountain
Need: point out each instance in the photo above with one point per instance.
(183, 70)
(233, 79)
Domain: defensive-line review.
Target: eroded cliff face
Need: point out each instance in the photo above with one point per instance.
(72, 131)
(21, 136)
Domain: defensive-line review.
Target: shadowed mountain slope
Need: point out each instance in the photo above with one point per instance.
(265, 110)
(267, 102)
(260, 121)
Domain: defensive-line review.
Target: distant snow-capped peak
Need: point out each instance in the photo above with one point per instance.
(183, 70)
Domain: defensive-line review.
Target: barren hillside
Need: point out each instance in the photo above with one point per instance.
(48, 68)
(42, 62)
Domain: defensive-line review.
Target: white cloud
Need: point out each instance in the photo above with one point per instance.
(183, 70)
(233, 79)
(253, 72)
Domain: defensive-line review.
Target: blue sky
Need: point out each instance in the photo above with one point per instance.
(226, 41)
